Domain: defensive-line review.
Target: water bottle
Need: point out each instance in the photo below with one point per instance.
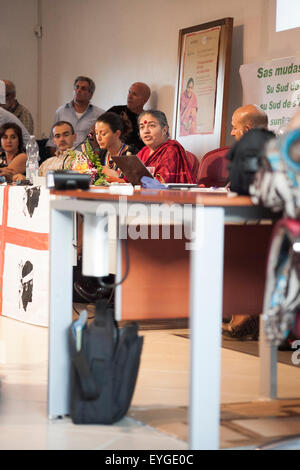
(32, 162)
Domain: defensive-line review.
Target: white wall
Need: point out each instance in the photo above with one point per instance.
(122, 41)
(18, 49)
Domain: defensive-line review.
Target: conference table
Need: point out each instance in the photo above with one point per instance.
(203, 215)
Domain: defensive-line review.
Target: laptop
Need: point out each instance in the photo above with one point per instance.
(132, 167)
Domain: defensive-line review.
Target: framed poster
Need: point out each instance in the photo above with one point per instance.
(204, 53)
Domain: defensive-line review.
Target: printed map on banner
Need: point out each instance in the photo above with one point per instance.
(275, 87)
(28, 209)
(25, 284)
(24, 254)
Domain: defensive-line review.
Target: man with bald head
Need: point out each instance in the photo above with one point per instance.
(13, 106)
(247, 117)
(138, 95)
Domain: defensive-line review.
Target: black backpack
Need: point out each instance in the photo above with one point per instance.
(104, 370)
(245, 159)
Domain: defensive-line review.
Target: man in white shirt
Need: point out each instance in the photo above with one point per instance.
(79, 112)
(64, 138)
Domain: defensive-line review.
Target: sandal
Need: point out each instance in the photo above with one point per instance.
(247, 329)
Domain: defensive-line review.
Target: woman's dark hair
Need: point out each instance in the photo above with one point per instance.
(159, 115)
(117, 123)
(18, 131)
(190, 80)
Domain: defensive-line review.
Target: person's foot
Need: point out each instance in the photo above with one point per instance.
(242, 327)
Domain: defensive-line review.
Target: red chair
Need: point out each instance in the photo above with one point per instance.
(194, 164)
(213, 168)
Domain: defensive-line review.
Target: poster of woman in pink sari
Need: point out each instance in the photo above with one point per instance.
(188, 109)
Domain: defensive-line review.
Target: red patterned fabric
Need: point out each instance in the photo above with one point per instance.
(170, 162)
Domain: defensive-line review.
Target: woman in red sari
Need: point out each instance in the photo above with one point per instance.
(167, 156)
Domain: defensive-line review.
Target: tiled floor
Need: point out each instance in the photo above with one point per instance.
(162, 390)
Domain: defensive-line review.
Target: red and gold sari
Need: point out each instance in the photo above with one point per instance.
(170, 162)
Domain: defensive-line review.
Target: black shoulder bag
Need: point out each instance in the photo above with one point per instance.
(245, 159)
(105, 369)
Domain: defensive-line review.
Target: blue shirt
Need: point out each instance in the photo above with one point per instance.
(82, 125)
(6, 116)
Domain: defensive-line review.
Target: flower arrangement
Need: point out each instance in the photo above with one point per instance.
(87, 162)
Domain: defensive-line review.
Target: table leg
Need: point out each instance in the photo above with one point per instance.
(60, 314)
(205, 328)
(268, 365)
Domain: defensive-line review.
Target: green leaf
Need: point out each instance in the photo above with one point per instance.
(95, 159)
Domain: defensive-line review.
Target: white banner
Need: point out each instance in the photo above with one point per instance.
(24, 250)
(25, 284)
(275, 87)
(28, 209)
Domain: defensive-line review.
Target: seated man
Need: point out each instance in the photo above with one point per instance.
(138, 95)
(247, 117)
(64, 138)
(243, 119)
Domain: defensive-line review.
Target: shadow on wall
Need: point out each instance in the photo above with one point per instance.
(152, 103)
(235, 85)
(163, 99)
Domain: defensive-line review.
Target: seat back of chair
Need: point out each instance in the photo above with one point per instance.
(213, 168)
(194, 164)
(44, 151)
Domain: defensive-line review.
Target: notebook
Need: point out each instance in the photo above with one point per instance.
(132, 167)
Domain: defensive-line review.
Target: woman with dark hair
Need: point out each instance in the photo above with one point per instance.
(167, 156)
(12, 159)
(110, 131)
(188, 109)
